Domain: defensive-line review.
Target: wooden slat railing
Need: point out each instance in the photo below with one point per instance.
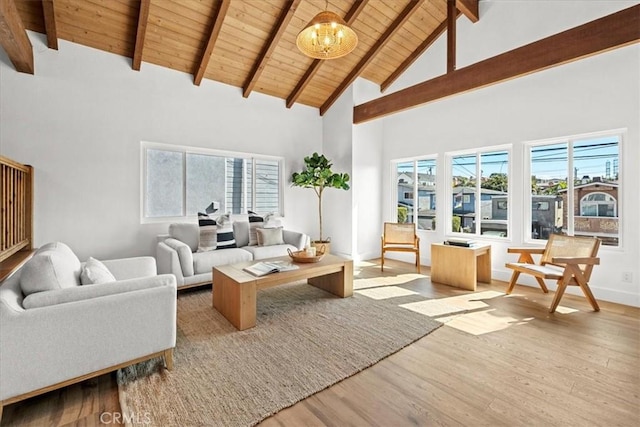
(16, 224)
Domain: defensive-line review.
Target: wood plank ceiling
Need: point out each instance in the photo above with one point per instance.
(249, 44)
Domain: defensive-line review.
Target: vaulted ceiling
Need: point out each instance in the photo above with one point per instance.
(249, 44)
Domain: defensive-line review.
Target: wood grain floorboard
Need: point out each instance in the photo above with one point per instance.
(505, 362)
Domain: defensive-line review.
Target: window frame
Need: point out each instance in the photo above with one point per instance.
(570, 140)
(185, 150)
(448, 214)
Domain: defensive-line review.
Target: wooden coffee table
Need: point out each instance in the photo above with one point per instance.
(234, 290)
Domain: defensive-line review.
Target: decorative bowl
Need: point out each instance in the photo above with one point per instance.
(301, 256)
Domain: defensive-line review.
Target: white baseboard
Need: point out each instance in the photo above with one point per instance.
(600, 293)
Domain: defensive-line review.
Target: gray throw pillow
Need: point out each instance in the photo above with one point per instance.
(241, 233)
(269, 236)
(94, 273)
(49, 270)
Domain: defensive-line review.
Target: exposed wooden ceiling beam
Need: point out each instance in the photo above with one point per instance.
(215, 31)
(469, 8)
(377, 47)
(440, 29)
(607, 33)
(277, 32)
(50, 24)
(14, 39)
(350, 18)
(143, 18)
(452, 14)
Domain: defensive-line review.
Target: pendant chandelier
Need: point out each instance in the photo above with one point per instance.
(326, 36)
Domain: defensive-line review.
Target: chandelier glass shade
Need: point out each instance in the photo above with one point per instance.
(326, 36)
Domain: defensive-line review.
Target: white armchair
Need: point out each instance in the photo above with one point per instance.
(54, 338)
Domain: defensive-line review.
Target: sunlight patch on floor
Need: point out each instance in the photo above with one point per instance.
(468, 313)
(363, 264)
(447, 319)
(386, 280)
(433, 307)
(483, 322)
(385, 292)
(560, 309)
(566, 310)
(472, 301)
(451, 305)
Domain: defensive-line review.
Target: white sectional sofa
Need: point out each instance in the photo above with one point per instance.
(62, 332)
(177, 252)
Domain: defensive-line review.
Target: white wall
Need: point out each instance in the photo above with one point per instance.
(80, 119)
(337, 146)
(367, 179)
(594, 94)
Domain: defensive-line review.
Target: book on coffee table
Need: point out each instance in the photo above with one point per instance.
(465, 243)
(267, 267)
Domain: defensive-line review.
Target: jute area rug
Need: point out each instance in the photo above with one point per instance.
(305, 340)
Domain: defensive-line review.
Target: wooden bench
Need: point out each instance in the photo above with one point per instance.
(567, 259)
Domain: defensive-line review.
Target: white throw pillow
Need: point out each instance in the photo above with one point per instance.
(269, 236)
(94, 273)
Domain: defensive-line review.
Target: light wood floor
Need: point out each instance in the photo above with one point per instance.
(498, 361)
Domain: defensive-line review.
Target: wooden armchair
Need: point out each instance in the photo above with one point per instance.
(567, 259)
(400, 238)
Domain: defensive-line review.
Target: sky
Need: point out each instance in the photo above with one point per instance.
(592, 157)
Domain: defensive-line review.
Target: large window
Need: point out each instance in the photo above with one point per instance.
(180, 182)
(480, 193)
(416, 177)
(578, 180)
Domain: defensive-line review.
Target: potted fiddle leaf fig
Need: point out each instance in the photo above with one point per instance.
(318, 175)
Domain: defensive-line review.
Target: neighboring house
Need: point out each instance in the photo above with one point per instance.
(426, 198)
(405, 178)
(546, 215)
(596, 209)
(464, 202)
(544, 183)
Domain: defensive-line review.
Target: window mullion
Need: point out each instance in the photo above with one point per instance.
(478, 201)
(145, 184)
(245, 206)
(184, 183)
(254, 186)
(570, 196)
(415, 192)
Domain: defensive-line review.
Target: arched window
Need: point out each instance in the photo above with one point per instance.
(598, 204)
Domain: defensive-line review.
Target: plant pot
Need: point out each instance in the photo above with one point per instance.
(318, 245)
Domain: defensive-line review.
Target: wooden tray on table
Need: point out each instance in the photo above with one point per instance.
(301, 256)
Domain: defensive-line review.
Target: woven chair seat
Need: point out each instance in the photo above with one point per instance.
(548, 271)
